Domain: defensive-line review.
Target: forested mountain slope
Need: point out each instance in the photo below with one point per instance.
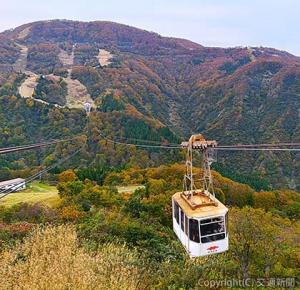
(233, 95)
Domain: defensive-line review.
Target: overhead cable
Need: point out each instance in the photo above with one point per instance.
(38, 174)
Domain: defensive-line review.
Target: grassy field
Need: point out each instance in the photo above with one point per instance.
(36, 192)
(47, 194)
(129, 188)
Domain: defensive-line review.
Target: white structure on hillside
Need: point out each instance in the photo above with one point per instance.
(13, 184)
(87, 107)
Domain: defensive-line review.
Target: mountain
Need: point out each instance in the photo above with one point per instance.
(169, 85)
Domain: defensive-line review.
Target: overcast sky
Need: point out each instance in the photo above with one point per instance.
(272, 23)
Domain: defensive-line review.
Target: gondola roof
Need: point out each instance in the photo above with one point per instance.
(201, 211)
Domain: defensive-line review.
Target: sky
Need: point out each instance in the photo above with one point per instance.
(224, 23)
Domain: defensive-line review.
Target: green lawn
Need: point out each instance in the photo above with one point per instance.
(129, 188)
(36, 192)
(47, 194)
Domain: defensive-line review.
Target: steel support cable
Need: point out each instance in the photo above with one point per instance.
(256, 149)
(140, 145)
(148, 141)
(24, 148)
(21, 146)
(1, 191)
(147, 146)
(36, 175)
(225, 147)
(238, 147)
(32, 146)
(260, 145)
(171, 145)
(221, 147)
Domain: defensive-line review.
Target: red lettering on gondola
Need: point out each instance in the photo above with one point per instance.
(212, 248)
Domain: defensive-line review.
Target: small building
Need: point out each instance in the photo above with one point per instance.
(13, 184)
(87, 106)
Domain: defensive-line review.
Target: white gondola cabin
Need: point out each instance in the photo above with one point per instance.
(199, 218)
(203, 230)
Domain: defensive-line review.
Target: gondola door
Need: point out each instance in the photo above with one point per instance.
(186, 231)
(183, 230)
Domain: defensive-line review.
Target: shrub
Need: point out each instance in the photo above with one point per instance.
(67, 175)
(70, 213)
(9, 234)
(110, 103)
(32, 213)
(70, 189)
(52, 259)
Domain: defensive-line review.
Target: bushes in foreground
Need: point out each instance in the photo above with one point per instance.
(52, 259)
(10, 233)
(31, 213)
(263, 243)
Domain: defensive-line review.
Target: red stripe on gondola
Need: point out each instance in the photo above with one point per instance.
(212, 248)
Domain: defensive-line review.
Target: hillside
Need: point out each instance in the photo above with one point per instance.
(233, 95)
(96, 228)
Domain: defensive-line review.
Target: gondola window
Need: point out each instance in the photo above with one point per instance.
(212, 229)
(194, 230)
(176, 212)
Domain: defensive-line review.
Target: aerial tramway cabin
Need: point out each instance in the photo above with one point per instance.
(200, 220)
(202, 230)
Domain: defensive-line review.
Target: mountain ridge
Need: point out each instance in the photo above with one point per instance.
(12, 32)
(235, 95)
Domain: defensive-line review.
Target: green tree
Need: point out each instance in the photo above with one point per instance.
(257, 241)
